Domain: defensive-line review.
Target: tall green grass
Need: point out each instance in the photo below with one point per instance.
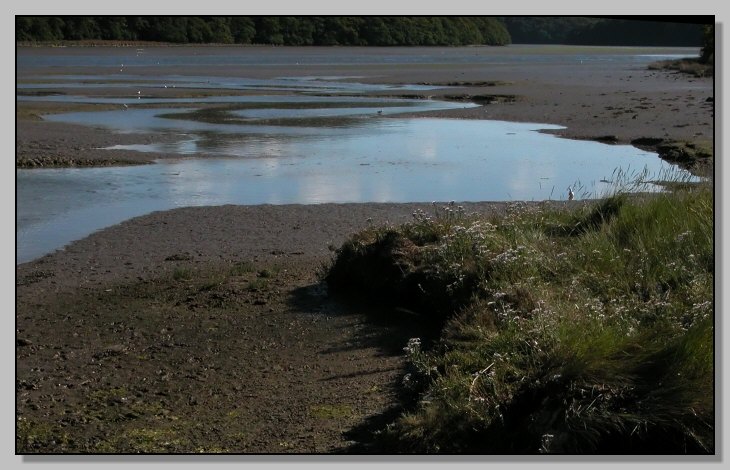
(585, 331)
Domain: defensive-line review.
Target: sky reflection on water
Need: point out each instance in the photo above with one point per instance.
(349, 149)
(389, 160)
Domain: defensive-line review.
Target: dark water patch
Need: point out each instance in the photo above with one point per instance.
(40, 93)
(483, 99)
(302, 85)
(323, 121)
(318, 114)
(487, 83)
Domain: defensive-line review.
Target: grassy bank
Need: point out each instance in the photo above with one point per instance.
(691, 66)
(581, 331)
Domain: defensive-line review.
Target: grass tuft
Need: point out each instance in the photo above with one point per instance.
(588, 331)
(182, 274)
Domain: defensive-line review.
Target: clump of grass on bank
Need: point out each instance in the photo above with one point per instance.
(691, 66)
(686, 154)
(587, 331)
(182, 274)
(696, 156)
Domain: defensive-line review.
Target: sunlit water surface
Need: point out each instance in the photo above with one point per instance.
(335, 146)
(387, 160)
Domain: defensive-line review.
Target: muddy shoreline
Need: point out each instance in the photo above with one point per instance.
(206, 329)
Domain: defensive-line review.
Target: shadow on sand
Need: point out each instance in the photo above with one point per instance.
(385, 329)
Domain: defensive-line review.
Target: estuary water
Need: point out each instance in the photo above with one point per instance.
(315, 140)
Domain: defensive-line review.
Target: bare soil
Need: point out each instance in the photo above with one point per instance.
(250, 359)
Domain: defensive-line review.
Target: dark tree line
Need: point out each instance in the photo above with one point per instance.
(605, 31)
(545, 29)
(708, 44)
(363, 31)
(628, 32)
(279, 30)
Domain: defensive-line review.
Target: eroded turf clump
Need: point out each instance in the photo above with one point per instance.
(567, 332)
(426, 266)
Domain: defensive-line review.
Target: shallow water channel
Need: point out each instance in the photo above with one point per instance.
(305, 148)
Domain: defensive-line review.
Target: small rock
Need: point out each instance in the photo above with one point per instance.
(116, 349)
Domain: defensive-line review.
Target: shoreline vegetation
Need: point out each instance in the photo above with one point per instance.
(692, 66)
(586, 331)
